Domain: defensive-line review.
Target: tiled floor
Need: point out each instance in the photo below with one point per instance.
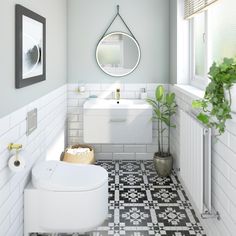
(142, 203)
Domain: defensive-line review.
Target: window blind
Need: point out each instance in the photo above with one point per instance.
(192, 7)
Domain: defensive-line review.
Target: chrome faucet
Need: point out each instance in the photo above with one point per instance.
(117, 95)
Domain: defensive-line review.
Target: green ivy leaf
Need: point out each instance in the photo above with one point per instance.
(197, 104)
(215, 108)
(203, 118)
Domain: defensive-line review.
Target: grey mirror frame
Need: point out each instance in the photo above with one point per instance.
(134, 40)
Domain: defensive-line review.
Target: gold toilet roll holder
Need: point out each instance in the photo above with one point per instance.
(17, 148)
(14, 146)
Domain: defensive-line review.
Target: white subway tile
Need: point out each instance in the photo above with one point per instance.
(135, 148)
(124, 156)
(74, 125)
(4, 226)
(9, 203)
(221, 196)
(128, 95)
(75, 140)
(233, 211)
(223, 170)
(112, 148)
(4, 193)
(73, 102)
(73, 110)
(81, 118)
(89, 87)
(233, 177)
(73, 133)
(227, 154)
(13, 230)
(221, 164)
(4, 156)
(151, 148)
(232, 142)
(144, 156)
(16, 209)
(103, 156)
(81, 102)
(72, 87)
(18, 116)
(225, 217)
(22, 128)
(73, 118)
(97, 148)
(134, 87)
(112, 87)
(4, 125)
(20, 231)
(231, 125)
(228, 189)
(11, 136)
(52, 115)
(5, 175)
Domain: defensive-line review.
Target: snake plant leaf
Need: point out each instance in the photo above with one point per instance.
(159, 93)
(152, 102)
(170, 98)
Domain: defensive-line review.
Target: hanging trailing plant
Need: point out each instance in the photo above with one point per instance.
(216, 105)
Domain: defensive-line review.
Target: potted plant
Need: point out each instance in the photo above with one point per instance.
(215, 107)
(164, 107)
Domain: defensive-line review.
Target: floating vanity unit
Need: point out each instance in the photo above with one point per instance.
(112, 121)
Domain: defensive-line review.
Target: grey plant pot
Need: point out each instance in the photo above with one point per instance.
(163, 165)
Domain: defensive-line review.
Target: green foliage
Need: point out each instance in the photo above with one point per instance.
(164, 107)
(215, 107)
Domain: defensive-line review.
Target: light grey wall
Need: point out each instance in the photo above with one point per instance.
(149, 22)
(173, 41)
(55, 13)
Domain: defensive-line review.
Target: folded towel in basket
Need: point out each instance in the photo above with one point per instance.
(75, 151)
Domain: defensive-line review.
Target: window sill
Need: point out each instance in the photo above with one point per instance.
(189, 90)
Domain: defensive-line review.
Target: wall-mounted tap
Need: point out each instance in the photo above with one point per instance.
(117, 95)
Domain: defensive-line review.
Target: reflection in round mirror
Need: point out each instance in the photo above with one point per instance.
(118, 54)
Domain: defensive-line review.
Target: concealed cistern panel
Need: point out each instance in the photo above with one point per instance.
(31, 121)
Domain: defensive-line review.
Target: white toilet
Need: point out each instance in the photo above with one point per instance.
(65, 198)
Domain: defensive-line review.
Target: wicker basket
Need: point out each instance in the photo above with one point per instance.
(82, 158)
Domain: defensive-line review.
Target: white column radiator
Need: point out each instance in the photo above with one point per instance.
(195, 161)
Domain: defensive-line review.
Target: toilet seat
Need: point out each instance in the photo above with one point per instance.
(67, 177)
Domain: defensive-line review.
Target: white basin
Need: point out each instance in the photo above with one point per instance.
(98, 103)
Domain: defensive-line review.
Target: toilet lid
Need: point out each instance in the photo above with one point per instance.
(63, 176)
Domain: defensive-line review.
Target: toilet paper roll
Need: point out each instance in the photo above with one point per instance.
(16, 164)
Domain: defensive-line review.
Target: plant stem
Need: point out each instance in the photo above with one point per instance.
(158, 131)
(169, 134)
(162, 138)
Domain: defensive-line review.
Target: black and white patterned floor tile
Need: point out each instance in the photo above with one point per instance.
(142, 203)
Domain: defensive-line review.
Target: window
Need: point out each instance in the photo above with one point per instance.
(212, 37)
(222, 30)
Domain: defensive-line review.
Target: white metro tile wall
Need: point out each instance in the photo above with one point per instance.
(52, 110)
(108, 151)
(223, 171)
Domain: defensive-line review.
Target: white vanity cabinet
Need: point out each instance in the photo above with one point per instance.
(105, 121)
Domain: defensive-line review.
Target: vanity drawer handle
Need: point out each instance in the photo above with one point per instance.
(117, 120)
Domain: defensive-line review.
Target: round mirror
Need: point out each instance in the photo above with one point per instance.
(118, 54)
